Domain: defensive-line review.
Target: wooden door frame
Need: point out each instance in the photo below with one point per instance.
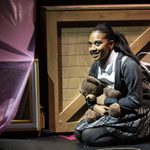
(63, 14)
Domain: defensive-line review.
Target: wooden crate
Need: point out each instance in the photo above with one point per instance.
(66, 34)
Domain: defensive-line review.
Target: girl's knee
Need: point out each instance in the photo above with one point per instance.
(87, 137)
(83, 136)
(96, 139)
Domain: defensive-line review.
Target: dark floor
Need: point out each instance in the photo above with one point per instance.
(55, 142)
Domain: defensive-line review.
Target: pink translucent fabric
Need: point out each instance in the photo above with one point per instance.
(16, 55)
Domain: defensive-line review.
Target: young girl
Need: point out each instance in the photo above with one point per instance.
(116, 67)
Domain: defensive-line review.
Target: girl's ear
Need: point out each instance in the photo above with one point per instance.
(111, 44)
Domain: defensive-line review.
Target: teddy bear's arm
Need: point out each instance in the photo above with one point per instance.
(90, 116)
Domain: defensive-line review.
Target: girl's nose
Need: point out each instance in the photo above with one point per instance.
(92, 48)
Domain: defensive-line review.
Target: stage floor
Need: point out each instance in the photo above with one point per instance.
(56, 142)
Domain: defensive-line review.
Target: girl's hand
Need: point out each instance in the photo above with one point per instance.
(100, 99)
(100, 109)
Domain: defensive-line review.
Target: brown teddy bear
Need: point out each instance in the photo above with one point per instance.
(91, 88)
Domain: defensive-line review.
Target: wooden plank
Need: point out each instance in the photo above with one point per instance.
(71, 83)
(71, 109)
(98, 7)
(108, 15)
(65, 104)
(78, 35)
(52, 63)
(75, 49)
(141, 41)
(74, 72)
(65, 127)
(77, 61)
(131, 32)
(69, 93)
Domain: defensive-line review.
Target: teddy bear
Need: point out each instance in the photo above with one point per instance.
(91, 88)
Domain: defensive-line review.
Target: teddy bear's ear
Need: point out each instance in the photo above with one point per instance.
(83, 88)
(93, 80)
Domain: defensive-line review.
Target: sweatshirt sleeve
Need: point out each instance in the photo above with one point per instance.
(132, 75)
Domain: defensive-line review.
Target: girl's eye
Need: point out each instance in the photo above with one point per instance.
(97, 43)
(89, 44)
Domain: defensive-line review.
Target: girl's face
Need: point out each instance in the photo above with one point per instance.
(99, 47)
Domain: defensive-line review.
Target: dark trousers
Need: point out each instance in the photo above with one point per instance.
(95, 136)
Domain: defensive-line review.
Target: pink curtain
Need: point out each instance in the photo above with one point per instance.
(16, 54)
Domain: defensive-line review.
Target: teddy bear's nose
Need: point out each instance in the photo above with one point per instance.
(90, 97)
